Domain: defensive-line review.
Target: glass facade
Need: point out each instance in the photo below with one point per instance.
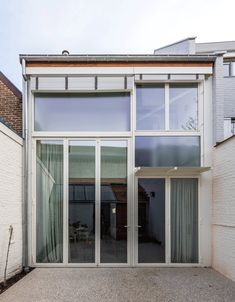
(87, 179)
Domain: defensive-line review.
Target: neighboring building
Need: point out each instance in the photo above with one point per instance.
(10, 104)
(11, 177)
(223, 227)
(119, 151)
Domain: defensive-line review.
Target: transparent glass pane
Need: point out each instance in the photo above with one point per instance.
(151, 220)
(167, 151)
(150, 104)
(113, 241)
(184, 220)
(82, 112)
(183, 107)
(49, 202)
(82, 205)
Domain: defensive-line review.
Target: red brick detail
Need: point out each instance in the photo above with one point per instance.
(10, 108)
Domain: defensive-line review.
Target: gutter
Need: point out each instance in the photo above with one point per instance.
(116, 58)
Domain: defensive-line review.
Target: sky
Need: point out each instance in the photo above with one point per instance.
(106, 26)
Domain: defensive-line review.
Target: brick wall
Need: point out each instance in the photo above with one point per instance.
(11, 176)
(10, 105)
(223, 222)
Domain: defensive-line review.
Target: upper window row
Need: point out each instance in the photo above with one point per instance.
(158, 107)
(173, 107)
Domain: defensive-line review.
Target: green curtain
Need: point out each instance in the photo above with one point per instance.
(49, 202)
(184, 220)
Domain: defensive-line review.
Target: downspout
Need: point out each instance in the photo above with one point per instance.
(25, 170)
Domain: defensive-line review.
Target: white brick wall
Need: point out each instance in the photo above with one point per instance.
(10, 199)
(223, 226)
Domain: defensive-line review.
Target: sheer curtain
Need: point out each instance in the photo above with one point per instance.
(184, 220)
(49, 201)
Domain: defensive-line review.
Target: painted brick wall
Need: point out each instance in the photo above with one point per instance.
(223, 225)
(10, 199)
(218, 100)
(229, 97)
(10, 108)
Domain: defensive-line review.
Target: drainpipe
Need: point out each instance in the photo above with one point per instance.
(25, 170)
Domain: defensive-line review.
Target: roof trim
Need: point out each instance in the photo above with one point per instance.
(116, 58)
(227, 139)
(10, 86)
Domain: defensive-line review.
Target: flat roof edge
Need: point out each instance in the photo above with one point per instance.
(116, 58)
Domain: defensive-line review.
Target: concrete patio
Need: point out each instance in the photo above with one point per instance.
(121, 284)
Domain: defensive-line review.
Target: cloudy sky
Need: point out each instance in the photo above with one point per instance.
(106, 26)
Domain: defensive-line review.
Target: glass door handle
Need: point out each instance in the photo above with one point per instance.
(139, 226)
(126, 226)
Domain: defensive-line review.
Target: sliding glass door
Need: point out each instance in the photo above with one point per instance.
(113, 215)
(81, 201)
(162, 200)
(81, 217)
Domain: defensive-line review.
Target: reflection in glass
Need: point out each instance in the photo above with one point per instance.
(82, 201)
(183, 107)
(167, 151)
(82, 112)
(113, 241)
(150, 103)
(184, 220)
(151, 220)
(49, 202)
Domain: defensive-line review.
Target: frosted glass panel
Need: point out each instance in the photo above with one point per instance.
(183, 107)
(82, 112)
(150, 107)
(167, 151)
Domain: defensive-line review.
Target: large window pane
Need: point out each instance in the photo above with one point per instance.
(184, 220)
(113, 220)
(151, 220)
(167, 151)
(183, 107)
(150, 104)
(82, 112)
(82, 201)
(49, 202)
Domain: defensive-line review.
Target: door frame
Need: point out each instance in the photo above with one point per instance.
(97, 263)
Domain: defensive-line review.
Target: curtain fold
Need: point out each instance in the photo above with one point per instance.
(184, 220)
(49, 202)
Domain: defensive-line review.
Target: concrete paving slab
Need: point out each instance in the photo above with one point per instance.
(121, 285)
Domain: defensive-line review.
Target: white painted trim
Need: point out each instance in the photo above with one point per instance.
(116, 70)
